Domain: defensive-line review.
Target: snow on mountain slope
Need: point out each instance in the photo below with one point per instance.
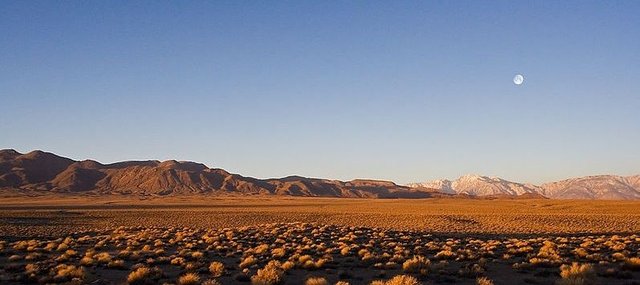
(483, 185)
(589, 187)
(594, 187)
(442, 185)
(477, 185)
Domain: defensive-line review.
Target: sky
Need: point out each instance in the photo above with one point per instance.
(395, 90)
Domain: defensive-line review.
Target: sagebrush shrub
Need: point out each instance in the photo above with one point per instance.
(216, 268)
(576, 274)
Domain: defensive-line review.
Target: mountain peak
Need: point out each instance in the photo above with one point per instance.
(8, 154)
(588, 187)
(42, 172)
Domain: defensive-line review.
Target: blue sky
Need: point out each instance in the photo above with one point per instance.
(397, 90)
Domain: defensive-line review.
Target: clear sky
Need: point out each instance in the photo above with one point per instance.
(397, 90)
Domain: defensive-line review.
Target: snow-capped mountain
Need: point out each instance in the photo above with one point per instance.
(442, 185)
(589, 187)
(477, 185)
(595, 187)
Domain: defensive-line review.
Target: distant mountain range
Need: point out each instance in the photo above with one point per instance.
(39, 173)
(610, 187)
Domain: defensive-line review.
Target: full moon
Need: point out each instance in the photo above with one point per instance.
(518, 79)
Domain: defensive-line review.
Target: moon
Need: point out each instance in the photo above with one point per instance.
(518, 79)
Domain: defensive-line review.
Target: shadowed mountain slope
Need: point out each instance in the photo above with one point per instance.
(38, 172)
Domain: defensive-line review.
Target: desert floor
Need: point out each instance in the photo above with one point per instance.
(112, 240)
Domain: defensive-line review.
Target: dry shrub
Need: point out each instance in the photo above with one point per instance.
(31, 268)
(192, 266)
(51, 246)
(403, 280)
(581, 252)
(261, 248)
(445, 254)
(189, 279)
(618, 256)
(521, 266)
(484, 281)
(177, 261)
(342, 283)
(62, 247)
(86, 261)
(471, 270)
(576, 274)
(211, 282)
(197, 255)
(144, 275)
(66, 272)
(632, 264)
(269, 275)
(316, 281)
(288, 265)
(248, 261)
(310, 264)
(103, 257)
(278, 252)
(417, 264)
(216, 268)
(124, 253)
(117, 263)
(303, 259)
(70, 252)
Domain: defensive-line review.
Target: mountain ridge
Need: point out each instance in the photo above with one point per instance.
(44, 173)
(612, 187)
(38, 172)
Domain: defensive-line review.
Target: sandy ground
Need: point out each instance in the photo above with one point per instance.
(58, 215)
(381, 235)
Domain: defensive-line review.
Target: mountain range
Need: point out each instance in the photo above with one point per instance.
(611, 187)
(39, 172)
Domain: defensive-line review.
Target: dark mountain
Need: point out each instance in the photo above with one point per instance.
(42, 172)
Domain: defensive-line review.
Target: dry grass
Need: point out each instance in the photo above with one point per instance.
(143, 275)
(576, 274)
(438, 215)
(403, 280)
(117, 264)
(338, 248)
(216, 268)
(316, 281)
(417, 264)
(484, 281)
(65, 272)
(248, 261)
(271, 274)
(189, 279)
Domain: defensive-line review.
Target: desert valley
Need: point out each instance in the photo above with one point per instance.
(171, 222)
(319, 142)
(42, 173)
